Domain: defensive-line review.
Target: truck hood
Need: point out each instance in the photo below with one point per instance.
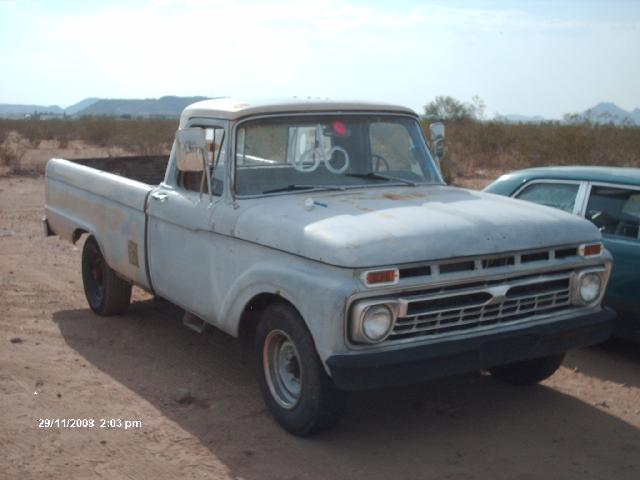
(386, 226)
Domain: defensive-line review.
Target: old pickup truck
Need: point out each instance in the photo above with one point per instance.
(323, 232)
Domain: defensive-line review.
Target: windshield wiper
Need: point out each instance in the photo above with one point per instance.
(295, 186)
(378, 176)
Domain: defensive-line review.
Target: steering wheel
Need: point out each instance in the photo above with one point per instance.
(602, 220)
(379, 160)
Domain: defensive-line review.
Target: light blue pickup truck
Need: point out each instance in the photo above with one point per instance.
(323, 231)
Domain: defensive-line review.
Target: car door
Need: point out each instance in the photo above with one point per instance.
(180, 230)
(615, 210)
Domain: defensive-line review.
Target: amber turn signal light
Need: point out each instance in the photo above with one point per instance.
(381, 277)
(591, 250)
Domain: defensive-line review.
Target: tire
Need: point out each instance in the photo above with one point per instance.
(107, 294)
(295, 387)
(528, 372)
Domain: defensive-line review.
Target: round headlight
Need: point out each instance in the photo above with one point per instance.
(377, 322)
(589, 287)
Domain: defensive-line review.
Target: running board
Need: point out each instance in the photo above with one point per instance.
(193, 322)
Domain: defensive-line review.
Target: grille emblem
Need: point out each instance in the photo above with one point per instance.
(499, 294)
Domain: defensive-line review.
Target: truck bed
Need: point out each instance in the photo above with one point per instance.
(105, 197)
(146, 169)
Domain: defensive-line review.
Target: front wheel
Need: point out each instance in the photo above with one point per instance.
(296, 389)
(107, 294)
(528, 372)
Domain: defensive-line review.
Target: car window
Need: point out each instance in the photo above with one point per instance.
(615, 211)
(196, 181)
(557, 195)
(392, 148)
(302, 152)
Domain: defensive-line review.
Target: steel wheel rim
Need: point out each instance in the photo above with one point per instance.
(282, 369)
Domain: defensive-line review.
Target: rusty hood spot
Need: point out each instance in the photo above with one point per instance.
(403, 196)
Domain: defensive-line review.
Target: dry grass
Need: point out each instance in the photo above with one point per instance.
(144, 136)
(112, 135)
(475, 149)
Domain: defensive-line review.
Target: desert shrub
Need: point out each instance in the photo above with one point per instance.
(139, 136)
(8, 157)
(148, 137)
(12, 149)
(473, 145)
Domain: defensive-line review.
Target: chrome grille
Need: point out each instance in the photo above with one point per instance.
(494, 303)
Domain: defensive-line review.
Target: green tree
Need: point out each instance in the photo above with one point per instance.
(445, 108)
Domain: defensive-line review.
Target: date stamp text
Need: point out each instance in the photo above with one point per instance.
(107, 423)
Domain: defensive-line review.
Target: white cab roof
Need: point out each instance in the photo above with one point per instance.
(232, 109)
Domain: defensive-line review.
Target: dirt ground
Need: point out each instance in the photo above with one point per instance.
(60, 361)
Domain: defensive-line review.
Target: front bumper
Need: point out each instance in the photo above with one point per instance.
(358, 371)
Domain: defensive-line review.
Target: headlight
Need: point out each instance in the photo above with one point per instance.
(376, 322)
(372, 320)
(589, 287)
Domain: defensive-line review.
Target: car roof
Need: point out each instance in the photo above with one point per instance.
(627, 176)
(233, 109)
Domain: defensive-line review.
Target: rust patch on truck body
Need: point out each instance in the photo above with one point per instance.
(403, 196)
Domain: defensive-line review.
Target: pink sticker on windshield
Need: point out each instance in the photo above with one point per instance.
(340, 128)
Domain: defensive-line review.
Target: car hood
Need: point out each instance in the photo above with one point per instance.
(386, 226)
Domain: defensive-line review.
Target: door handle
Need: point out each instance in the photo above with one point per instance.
(160, 196)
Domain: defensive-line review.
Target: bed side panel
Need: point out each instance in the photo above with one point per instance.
(108, 206)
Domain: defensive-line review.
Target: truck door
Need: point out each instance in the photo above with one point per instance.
(180, 239)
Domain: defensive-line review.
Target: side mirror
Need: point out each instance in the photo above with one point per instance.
(191, 145)
(436, 139)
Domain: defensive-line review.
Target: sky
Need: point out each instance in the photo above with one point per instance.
(527, 57)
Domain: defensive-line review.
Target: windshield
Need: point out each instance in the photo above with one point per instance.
(330, 151)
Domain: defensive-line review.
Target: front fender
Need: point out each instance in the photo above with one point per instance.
(316, 290)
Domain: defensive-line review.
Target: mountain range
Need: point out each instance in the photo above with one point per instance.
(607, 112)
(516, 118)
(167, 106)
(603, 113)
(172, 106)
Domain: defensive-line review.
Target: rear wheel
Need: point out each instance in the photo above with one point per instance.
(296, 389)
(528, 372)
(107, 294)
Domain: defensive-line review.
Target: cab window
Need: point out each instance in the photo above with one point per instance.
(196, 181)
(392, 148)
(615, 211)
(556, 195)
